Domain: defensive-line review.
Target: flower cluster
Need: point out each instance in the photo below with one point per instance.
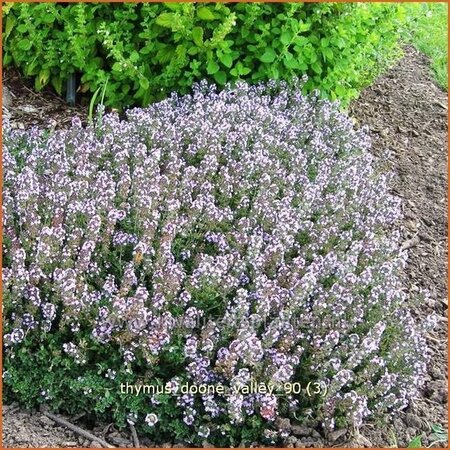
(248, 230)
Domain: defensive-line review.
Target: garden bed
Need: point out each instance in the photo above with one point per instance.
(407, 114)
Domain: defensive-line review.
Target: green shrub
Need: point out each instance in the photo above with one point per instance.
(150, 49)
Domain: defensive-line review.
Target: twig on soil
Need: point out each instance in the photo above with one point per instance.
(135, 436)
(442, 105)
(410, 243)
(77, 430)
(10, 408)
(106, 429)
(433, 339)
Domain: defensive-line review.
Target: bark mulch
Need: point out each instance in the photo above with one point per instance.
(407, 115)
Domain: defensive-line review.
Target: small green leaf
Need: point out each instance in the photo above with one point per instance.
(300, 41)
(31, 68)
(165, 20)
(416, 442)
(44, 76)
(220, 77)
(37, 84)
(143, 82)
(10, 22)
(274, 73)
(317, 68)
(22, 28)
(48, 18)
(57, 84)
(286, 37)
(340, 91)
(226, 60)
(91, 112)
(290, 62)
(244, 70)
(192, 50)
(146, 50)
(268, 56)
(197, 36)
(312, 56)
(437, 428)
(134, 57)
(439, 433)
(340, 42)
(172, 6)
(205, 13)
(327, 53)
(24, 44)
(304, 27)
(212, 67)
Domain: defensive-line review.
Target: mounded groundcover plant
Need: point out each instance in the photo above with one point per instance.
(235, 238)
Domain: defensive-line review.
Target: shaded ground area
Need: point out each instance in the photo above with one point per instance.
(407, 116)
(25, 107)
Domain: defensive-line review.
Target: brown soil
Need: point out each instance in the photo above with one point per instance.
(26, 108)
(407, 116)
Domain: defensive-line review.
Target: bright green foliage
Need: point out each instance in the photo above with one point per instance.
(149, 50)
(428, 29)
(416, 442)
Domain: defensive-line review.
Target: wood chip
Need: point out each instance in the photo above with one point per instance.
(135, 436)
(410, 243)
